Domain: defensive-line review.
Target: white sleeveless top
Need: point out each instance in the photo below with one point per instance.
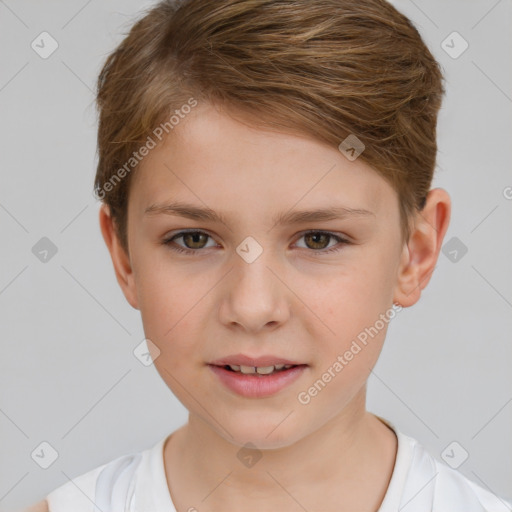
(137, 483)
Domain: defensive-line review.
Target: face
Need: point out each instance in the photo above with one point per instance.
(302, 288)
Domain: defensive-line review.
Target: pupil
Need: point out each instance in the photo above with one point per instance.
(194, 237)
(314, 237)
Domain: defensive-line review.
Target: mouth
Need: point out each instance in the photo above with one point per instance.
(245, 363)
(257, 381)
(258, 371)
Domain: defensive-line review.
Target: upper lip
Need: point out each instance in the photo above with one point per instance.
(261, 361)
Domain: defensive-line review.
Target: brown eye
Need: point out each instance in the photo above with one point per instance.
(320, 242)
(195, 240)
(317, 240)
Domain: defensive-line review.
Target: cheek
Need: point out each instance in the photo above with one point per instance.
(354, 297)
(346, 359)
(351, 307)
(170, 305)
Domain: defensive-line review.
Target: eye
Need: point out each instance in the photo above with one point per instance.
(194, 241)
(319, 240)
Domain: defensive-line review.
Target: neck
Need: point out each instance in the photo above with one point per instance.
(348, 460)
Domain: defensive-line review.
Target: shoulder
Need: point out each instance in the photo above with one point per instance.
(444, 488)
(42, 506)
(98, 485)
(452, 487)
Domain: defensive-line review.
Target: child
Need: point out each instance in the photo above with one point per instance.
(263, 128)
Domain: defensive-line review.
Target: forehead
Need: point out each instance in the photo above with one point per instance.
(229, 164)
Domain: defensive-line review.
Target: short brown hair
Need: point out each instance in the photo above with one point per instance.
(324, 68)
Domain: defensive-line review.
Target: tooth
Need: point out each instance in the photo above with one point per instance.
(235, 367)
(247, 369)
(279, 366)
(286, 366)
(265, 370)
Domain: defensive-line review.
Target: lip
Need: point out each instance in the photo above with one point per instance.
(243, 360)
(257, 386)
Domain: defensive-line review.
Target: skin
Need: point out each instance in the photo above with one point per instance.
(292, 301)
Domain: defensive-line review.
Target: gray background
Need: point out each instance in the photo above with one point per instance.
(68, 373)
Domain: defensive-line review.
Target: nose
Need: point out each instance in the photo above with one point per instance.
(254, 296)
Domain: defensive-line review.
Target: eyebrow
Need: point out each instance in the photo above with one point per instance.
(190, 211)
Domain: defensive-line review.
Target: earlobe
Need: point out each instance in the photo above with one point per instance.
(120, 259)
(420, 254)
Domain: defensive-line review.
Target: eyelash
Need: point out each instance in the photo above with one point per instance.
(195, 252)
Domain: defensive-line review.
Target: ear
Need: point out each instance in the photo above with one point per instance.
(420, 254)
(120, 259)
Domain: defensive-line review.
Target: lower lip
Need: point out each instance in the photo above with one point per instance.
(257, 386)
